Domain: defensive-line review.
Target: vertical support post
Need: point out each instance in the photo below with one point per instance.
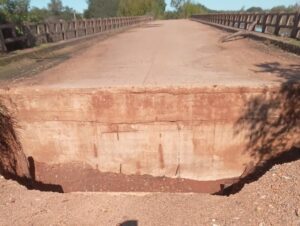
(264, 23)
(84, 27)
(295, 25)
(277, 25)
(75, 29)
(46, 32)
(63, 30)
(239, 21)
(93, 25)
(2, 40)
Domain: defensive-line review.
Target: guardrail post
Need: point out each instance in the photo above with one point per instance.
(264, 23)
(84, 27)
(295, 29)
(277, 25)
(3, 46)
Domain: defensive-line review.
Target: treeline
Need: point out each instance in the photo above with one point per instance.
(276, 9)
(186, 8)
(19, 11)
(112, 8)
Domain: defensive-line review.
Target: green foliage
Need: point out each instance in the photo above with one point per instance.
(68, 13)
(155, 8)
(55, 7)
(289, 9)
(278, 9)
(255, 10)
(56, 11)
(38, 15)
(189, 8)
(15, 11)
(18, 12)
(177, 4)
(186, 8)
(111, 8)
(101, 8)
(171, 15)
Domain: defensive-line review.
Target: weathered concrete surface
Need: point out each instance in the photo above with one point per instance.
(175, 132)
(175, 107)
(171, 53)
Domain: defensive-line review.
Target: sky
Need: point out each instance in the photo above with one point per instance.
(81, 5)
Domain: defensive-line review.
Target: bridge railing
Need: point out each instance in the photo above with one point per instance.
(280, 24)
(32, 34)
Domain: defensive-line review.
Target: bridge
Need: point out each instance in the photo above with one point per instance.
(166, 98)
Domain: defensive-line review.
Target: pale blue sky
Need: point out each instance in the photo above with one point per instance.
(80, 5)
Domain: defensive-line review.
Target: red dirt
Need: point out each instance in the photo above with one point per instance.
(79, 177)
(273, 200)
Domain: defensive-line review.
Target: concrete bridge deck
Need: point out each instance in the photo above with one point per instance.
(171, 53)
(175, 106)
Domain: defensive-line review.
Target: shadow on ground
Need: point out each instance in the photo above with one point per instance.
(129, 223)
(272, 124)
(151, 25)
(13, 163)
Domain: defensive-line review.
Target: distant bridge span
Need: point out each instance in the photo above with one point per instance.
(166, 53)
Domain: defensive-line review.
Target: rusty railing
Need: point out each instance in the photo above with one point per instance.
(280, 24)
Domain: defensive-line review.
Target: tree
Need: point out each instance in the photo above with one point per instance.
(57, 11)
(155, 8)
(38, 15)
(186, 8)
(189, 8)
(278, 9)
(171, 15)
(102, 8)
(15, 11)
(294, 8)
(255, 10)
(55, 7)
(177, 3)
(68, 13)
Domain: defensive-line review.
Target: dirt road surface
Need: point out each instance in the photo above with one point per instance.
(171, 53)
(273, 200)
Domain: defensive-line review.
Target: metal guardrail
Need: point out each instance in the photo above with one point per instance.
(35, 34)
(280, 24)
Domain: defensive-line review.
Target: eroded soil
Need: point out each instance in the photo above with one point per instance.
(77, 177)
(272, 200)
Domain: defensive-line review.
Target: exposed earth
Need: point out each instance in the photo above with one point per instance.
(189, 55)
(272, 200)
